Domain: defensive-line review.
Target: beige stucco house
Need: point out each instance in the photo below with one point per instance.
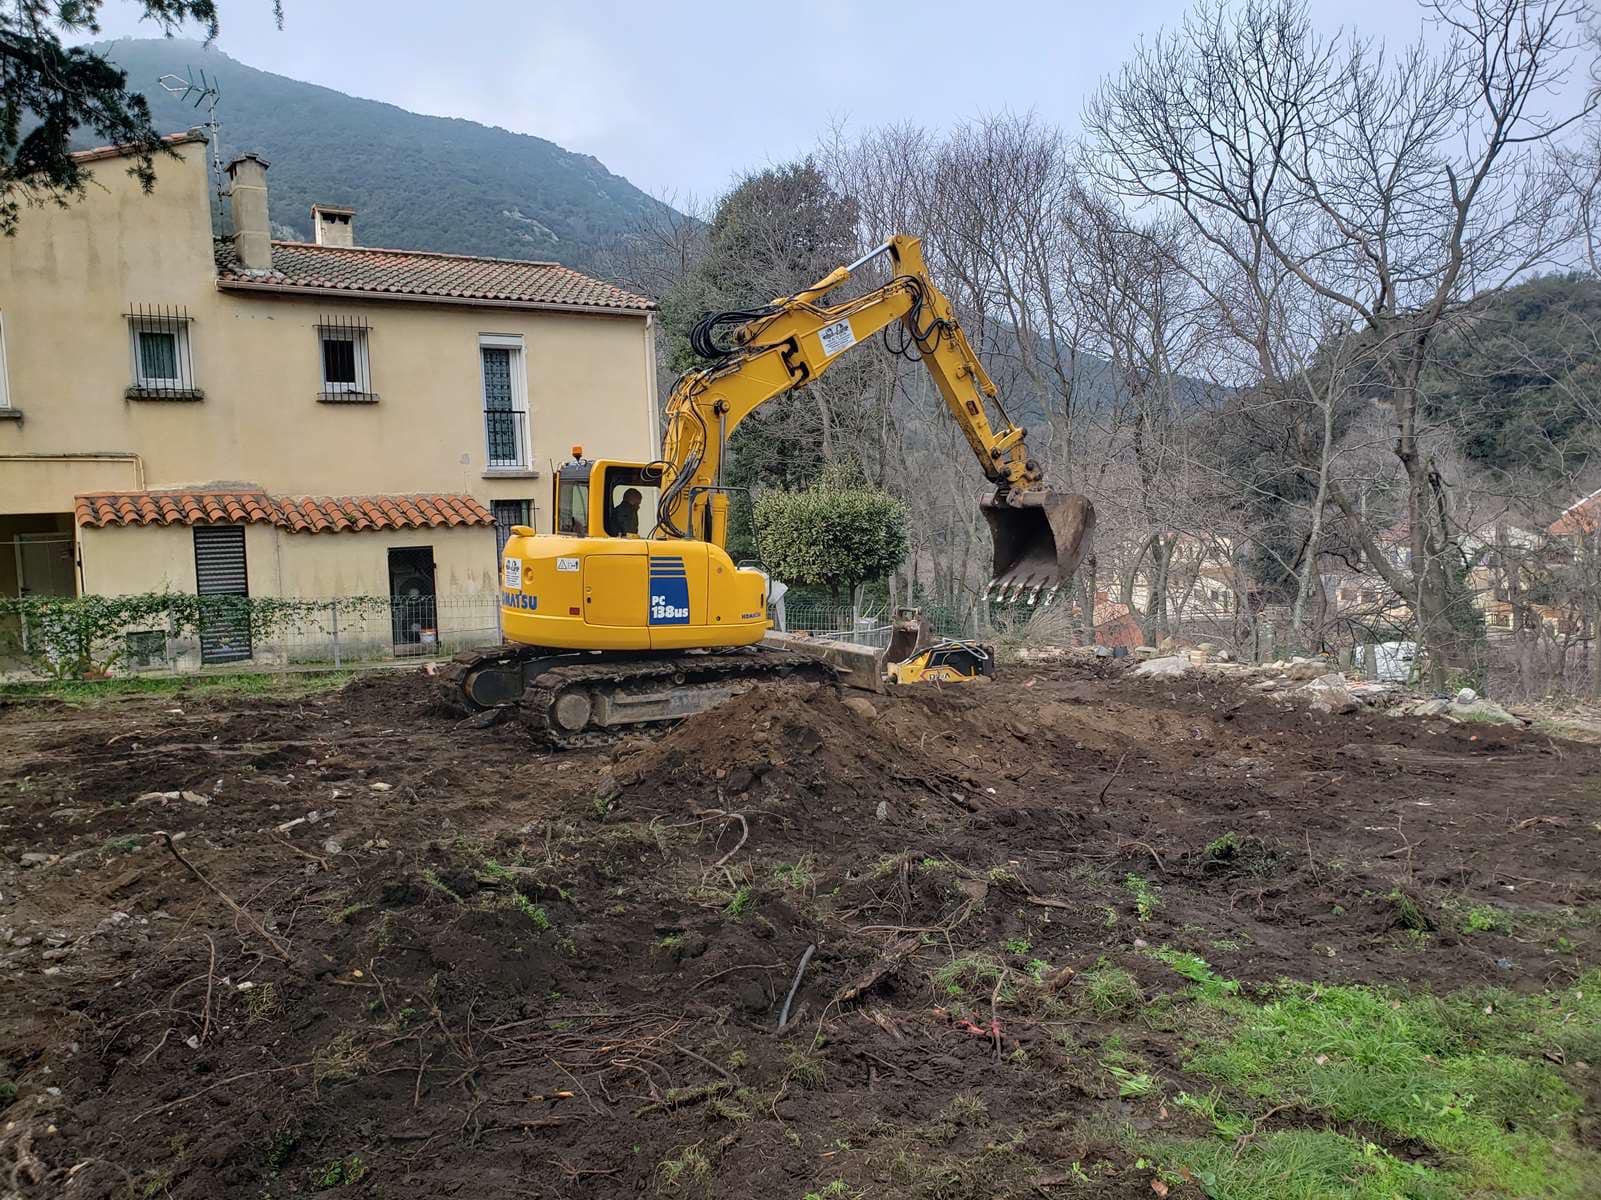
(189, 413)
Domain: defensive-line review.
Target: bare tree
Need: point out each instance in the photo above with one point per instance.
(1394, 189)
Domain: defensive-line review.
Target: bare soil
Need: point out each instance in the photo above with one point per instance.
(491, 972)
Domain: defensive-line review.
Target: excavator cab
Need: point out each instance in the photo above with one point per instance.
(606, 498)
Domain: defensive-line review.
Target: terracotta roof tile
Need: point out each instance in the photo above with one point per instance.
(1583, 516)
(298, 514)
(424, 275)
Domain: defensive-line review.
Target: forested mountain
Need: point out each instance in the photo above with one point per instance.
(1518, 379)
(416, 182)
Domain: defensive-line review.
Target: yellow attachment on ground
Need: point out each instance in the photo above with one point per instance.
(946, 662)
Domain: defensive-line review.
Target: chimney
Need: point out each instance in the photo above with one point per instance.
(252, 241)
(335, 226)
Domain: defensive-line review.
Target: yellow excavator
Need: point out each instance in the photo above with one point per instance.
(631, 613)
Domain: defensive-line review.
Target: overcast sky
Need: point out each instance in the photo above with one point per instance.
(681, 97)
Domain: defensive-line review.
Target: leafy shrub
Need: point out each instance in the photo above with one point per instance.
(831, 535)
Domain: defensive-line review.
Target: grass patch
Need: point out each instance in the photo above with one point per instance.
(1409, 914)
(431, 878)
(836, 1189)
(536, 914)
(340, 1061)
(805, 1069)
(280, 1147)
(262, 1003)
(971, 973)
(1465, 1075)
(1147, 899)
(1302, 1165)
(1485, 918)
(797, 875)
(1198, 971)
(341, 1172)
(1111, 991)
(690, 1168)
(1241, 853)
(1131, 1085)
(86, 693)
(740, 902)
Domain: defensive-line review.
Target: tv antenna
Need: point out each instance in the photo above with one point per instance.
(204, 91)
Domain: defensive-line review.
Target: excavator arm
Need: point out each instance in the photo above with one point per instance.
(1039, 535)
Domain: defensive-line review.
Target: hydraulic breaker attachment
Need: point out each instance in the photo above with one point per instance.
(1040, 537)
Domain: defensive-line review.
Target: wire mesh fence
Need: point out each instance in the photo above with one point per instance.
(353, 632)
(840, 623)
(91, 635)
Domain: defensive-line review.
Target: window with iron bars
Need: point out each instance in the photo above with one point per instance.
(508, 513)
(159, 342)
(505, 403)
(346, 364)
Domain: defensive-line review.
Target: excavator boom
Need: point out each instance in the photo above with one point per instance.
(1039, 534)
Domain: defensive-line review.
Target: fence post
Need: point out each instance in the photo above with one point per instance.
(333, 614)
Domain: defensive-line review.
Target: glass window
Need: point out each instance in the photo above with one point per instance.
(344, 361)
(572, 507)
(161, 351)
(630, 504)
(158, 357)
(505, 402)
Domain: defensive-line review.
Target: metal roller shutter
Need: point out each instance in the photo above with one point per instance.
(220, 571)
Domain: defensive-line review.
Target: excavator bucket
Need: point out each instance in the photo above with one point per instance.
(910, 633)
(1040, 537)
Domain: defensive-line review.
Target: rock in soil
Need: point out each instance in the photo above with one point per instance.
(1169, 667)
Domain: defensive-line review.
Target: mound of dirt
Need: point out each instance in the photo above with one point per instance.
(795, 743)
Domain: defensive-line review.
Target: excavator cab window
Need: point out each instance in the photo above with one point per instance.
(572, 507)
(631, 494)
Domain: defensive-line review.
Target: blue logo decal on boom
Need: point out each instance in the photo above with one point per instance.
(669, 591)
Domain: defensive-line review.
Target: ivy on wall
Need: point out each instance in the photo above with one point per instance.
(80, 637)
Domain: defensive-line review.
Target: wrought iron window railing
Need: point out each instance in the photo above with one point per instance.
(162, 358)
(344, 346)
(505, 416)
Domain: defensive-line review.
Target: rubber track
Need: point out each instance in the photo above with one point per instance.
(450, 683)
(623, 676)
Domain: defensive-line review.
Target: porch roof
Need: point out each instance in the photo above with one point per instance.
(298, 514)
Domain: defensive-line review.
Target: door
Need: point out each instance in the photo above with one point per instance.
(44, 564)
(220, 571)
(413, 609)
(44, 568)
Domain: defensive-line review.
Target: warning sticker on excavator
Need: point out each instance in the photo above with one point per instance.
(514, 574)
(838, 337)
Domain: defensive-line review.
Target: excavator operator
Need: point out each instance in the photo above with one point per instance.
(626, 515)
